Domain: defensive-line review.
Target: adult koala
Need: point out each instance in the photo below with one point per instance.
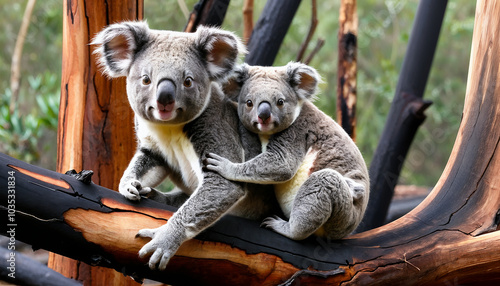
(181, 115)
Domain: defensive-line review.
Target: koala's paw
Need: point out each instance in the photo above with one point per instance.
(221, 165)
(161, 247)
(133, 190)
(276, 224)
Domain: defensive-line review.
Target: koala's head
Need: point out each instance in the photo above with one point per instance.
(271, 98)
(169, 74)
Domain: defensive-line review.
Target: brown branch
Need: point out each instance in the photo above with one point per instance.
(312, 29)
(247, 20)
(319, 45)
(15, 69)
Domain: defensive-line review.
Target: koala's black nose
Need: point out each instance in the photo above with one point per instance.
(165, 93)
(264, 111)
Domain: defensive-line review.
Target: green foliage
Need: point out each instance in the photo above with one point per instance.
(21, 134)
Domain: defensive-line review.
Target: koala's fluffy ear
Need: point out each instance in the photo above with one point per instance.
(220, 50)
(117, 45)
(232, 86)
(303, 79)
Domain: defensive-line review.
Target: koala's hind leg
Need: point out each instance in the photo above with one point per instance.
(324, 198)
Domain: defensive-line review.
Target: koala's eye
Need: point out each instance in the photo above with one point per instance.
(188, 82)
(280, 102)
(249, 103)
(146, 80)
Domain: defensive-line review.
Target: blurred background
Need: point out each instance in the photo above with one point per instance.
(29, 131)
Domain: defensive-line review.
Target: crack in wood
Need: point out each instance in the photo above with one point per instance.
(372, 270)
(423, 236)
(307, 272)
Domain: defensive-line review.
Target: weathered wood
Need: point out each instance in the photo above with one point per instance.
(347, 67)
(270, 30)
(406, 113)
(95, 120)
(98, 226)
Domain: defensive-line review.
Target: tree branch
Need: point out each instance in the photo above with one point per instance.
(247, 20)
(15, 69)
(319, 45)
(312, 29)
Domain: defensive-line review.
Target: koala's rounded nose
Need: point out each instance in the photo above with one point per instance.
(264, 111)
(165, 93)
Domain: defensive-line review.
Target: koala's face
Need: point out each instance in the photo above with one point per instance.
(168, 73)
(271, 98)
(167, 82)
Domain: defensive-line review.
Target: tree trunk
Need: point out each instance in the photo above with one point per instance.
(406, 113)
(207, 12)
(270, 30)
(347, 67)
(95, 120)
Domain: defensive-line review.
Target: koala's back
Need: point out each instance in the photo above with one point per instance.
(335, 148)
(326, 145)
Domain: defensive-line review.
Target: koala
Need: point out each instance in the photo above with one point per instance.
(181, 114)
(320, 178)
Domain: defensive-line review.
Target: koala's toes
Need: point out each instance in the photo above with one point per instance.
(145, 191)
(132, 194)
(273, 222)
(131, 191)
(280, 226)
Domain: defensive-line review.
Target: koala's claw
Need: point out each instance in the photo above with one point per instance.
(213, 162)
(274, 223)
(219, 164)
(158, 248)
(133, 190)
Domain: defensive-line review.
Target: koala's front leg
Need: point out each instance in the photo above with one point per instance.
(144, 172)
(206, 205)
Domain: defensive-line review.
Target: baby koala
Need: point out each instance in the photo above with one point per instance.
(320, 178)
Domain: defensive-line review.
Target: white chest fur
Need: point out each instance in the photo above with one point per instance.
(176, 148)
(287, 191)
(264, 140)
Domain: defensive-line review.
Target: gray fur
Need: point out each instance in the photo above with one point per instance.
(181, 115)
(298, 140)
